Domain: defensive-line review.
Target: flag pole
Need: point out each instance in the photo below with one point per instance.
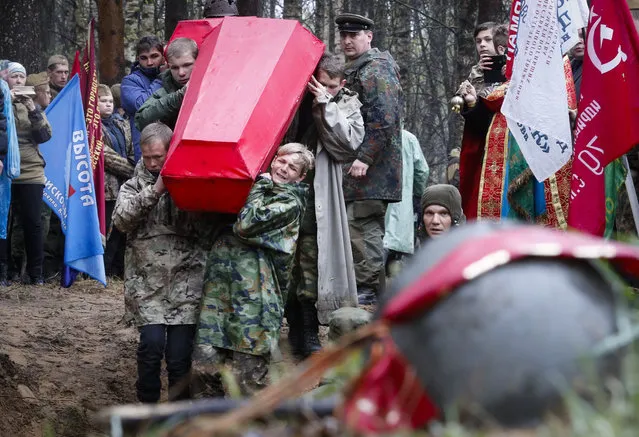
(632, 194)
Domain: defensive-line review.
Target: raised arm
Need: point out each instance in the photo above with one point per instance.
(270, 214)
(341, 130)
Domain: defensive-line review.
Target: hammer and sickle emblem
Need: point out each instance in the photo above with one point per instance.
(605, 33)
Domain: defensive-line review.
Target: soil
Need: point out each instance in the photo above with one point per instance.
(64, 355)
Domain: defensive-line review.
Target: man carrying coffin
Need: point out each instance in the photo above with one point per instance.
(164, 105)
(164, 268)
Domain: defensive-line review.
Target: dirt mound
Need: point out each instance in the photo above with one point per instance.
(63, 356)
(13, 409)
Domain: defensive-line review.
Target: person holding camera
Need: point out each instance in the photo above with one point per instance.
(485, 47)
(479, 106)
(32, 128)
(495, 180)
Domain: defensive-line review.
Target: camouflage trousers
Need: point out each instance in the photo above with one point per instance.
(366, 225)
(304, 284)
(249, 373)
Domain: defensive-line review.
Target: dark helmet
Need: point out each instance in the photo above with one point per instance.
(505, 343)
(220, 8)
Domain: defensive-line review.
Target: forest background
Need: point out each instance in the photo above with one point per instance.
(431, 40)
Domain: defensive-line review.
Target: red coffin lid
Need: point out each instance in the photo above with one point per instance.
(247, 83)
(197, 30)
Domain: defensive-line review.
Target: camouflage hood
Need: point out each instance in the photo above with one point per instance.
(369, 56)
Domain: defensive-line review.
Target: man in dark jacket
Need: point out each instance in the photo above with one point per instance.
(138, 86)
(375, 178)
(165, 103)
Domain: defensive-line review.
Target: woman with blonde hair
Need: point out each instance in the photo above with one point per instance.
(248, 274)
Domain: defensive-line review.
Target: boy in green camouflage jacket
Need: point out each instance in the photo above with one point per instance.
(248, 273)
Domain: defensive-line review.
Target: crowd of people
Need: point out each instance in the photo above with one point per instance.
(345, 203)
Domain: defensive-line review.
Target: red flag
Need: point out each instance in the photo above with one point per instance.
(85, 67)
(76, 66)
(608, 122)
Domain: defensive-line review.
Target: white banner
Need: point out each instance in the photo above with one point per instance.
(572, 15)
(536, 104)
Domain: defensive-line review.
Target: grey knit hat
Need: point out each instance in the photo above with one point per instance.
(447, 196)
(16, 67)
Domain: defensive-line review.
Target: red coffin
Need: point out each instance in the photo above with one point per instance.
(244, 90)
(197, 30)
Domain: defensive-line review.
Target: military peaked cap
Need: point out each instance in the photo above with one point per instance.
(353, 23)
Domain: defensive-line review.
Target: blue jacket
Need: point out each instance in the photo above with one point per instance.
(4, 139)
(137, 87)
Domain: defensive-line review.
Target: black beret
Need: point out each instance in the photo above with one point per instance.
(353, 23)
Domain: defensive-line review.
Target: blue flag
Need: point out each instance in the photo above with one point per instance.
(69, 185)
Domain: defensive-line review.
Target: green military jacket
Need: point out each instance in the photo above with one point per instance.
(32, 129)
(165, 254)
(374, 76)
(164, 105)
(248, 273)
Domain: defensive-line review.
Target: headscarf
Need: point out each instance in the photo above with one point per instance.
(447, 196)
(16, 67)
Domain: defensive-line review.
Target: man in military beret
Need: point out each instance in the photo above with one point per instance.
(374, 179)
(40, 83)
(58, 71)
(42, 99)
